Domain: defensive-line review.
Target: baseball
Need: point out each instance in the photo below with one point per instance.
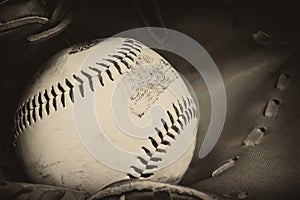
(104, 111)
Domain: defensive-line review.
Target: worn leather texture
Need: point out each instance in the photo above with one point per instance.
(261, 82)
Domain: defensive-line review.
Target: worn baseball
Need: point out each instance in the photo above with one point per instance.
(104, 111)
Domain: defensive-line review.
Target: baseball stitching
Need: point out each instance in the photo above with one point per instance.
(38, 106)
(183, 116)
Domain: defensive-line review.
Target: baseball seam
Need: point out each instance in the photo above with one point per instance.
(51, 100)
(184, 115)
(39, 105)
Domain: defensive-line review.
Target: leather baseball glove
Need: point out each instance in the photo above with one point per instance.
(33, 20)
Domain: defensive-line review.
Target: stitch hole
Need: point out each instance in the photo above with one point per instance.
(242, 195)
(263, 129)
(283, 81)
(236, 158)
(276, 101)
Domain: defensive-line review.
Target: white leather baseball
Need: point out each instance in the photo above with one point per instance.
(104, 111)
